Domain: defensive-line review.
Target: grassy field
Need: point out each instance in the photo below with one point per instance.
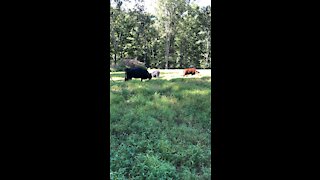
(161, 129)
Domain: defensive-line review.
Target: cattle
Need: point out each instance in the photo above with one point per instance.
(155, 73)
(136, 73)
(191, 71)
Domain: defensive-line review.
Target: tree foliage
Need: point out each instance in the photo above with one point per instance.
(177, 36)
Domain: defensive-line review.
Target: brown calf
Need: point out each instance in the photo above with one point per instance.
(191, 71)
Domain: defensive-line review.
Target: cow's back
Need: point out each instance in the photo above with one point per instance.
(189, 71)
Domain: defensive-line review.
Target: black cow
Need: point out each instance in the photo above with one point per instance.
(155, 73)
(137, 73)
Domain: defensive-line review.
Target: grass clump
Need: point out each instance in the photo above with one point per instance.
(160, 129)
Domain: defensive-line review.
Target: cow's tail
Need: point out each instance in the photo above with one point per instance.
(126, 69)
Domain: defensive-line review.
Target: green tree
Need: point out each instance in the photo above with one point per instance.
(178, 36)
(169, 13)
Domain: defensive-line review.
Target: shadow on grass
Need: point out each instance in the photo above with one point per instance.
(161, 86)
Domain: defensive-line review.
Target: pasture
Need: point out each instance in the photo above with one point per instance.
(161, 129)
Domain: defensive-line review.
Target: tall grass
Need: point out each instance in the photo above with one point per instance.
(160, 129)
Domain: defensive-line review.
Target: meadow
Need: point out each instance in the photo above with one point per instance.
(161, 129)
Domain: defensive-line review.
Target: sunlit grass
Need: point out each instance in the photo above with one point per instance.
(160, 129)
(165, 74)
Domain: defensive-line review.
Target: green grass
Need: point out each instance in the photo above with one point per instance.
(160, 129)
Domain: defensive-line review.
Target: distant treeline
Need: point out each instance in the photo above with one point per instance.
(178, 36)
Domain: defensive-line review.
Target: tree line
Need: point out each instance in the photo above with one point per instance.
(178, 35)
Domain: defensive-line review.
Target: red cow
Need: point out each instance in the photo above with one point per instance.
(191, 71)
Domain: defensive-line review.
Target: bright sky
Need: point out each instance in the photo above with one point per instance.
(150, 4)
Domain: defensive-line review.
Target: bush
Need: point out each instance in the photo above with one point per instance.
(127, 63)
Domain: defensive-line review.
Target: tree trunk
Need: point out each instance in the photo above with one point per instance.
(167, 52)
(208, 50)
(182, 53)
(145, 60)
(145, 57)
(114, 42)
(167, 28)
(151, 56)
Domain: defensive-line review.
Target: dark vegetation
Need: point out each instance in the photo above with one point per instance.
(177, 36)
